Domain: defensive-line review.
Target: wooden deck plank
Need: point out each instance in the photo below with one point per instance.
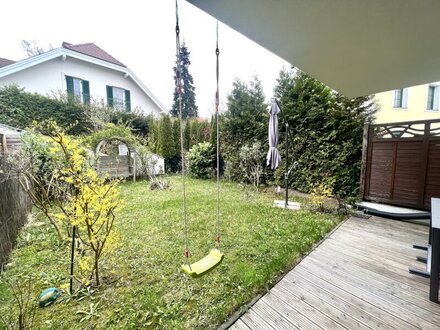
(396, 288)
(380, 250)
(383, 241)
(291, 314)
(402, 226)
(364, 311)
(383, 266)
(325, 306)
(394, 238)
(239, 325)
(311, 312)
(385, 226)
(390, 230)
(356, 279)
(273, 317)
(254, 321)
(363, 297)
(364, 290)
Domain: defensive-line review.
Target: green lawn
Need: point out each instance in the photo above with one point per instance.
(146, 288)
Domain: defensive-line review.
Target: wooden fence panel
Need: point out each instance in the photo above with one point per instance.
(409, 156)
(380, 183)
(432, 185)
(115, 167)
(15, 206)
(403, 163)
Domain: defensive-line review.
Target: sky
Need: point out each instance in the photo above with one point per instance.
(141, 34)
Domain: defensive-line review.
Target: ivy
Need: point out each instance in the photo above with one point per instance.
(109, 132)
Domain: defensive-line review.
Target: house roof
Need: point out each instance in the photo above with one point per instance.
(355, 47)
(4, 62)
(86, 54)
(92, 50)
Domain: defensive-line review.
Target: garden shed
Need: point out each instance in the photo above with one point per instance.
(114, 158)
(10, 139)
(402, 163)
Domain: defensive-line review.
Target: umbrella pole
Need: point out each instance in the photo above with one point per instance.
(286, 173)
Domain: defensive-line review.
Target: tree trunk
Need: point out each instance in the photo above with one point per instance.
(96, 268)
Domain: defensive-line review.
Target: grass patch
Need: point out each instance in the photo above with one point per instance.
(145, 287)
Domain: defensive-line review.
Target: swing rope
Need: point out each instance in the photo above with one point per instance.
(179, 93)
(215, 256)
(217, 101)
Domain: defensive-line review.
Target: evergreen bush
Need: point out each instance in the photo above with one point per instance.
(201, 160)
(21, 109)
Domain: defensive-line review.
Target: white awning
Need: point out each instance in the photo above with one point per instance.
(357, 47)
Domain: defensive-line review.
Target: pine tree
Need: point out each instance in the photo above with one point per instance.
(244, 122)
(176, 137)
(246, 117)
(165, 143)
(189, 107)
(326, 132)
(187, 136)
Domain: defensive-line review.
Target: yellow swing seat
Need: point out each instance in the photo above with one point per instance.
(205, 265)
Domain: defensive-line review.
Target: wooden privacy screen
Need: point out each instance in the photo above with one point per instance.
(114, 164)
(9, 143)
(402, 163)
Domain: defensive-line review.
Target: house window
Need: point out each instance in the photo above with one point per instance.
(400, 98)
(78, 90)
(433, 95)
(118, 98)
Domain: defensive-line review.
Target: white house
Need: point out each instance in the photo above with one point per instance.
(84, 71)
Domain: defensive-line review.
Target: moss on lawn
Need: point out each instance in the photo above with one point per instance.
(145, 287)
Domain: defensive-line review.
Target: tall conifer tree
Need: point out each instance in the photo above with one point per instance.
(189, 107)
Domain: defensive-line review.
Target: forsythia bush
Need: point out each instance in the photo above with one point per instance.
(79, 197)
(319, 194)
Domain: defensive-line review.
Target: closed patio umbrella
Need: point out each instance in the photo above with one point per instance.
(273, 155)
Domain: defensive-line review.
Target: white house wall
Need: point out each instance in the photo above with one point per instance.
(49, 77)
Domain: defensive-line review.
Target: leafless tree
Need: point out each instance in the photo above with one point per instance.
(31, 48)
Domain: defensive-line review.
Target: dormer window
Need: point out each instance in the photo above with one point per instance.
(78, 90)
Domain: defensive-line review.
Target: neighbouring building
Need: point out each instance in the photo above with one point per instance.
(409, 104)
(85, 72)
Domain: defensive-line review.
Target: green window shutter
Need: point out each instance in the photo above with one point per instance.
(110, 96)
(85, 91)
(70, 91)
(127, 101)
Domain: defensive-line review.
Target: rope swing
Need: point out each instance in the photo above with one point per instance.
(215, 256)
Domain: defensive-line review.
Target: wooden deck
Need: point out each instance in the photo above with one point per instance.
(356, 279)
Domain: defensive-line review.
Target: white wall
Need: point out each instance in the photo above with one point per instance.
(49, 77)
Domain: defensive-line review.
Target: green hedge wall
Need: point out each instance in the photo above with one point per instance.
(20, 109)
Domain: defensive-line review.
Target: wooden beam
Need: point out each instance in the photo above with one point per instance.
(364, 159)
(4, 143)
